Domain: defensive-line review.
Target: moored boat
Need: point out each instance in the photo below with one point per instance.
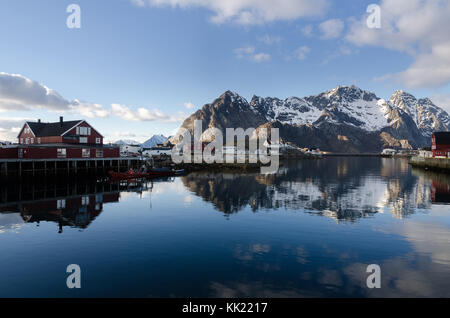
(155, 172)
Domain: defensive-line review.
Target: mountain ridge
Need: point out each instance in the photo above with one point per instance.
(402, 121)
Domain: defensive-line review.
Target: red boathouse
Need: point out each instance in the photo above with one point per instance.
(61, 140)
(440, 144)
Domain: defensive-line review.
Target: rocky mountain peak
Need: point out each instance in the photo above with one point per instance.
(345, 114)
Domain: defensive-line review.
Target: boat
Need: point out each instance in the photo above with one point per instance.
(155, 172)
(130, 174)
(164, 172)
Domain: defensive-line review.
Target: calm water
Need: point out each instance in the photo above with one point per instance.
(311, 230)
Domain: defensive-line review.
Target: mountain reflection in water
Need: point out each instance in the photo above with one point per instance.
(341, 188)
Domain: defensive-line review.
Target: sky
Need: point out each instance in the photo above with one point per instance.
(135, 68)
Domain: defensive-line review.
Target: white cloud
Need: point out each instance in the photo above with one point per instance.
(248, 12)
(250, 53)
(144, 114)
(270, 39)
(18, 93)
(442, 100)
(244, 51)
(89, 110)
(261, 57)
(189, 105)
(331, 29)
(417, 27)
(307, 30)
(10, 127)
(302, 52)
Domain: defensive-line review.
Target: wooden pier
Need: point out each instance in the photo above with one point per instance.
(69, 166)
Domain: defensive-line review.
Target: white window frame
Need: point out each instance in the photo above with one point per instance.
(83, 140)
(85, 200)
(98, 140)
(99, 153)
(39, 140)
(85, 153)
(61, 153)
(61, 204)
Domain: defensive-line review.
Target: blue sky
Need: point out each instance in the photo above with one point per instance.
(134, 65)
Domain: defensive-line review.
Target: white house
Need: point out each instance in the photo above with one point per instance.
(157, 151)
(127, 150)
(388, 152)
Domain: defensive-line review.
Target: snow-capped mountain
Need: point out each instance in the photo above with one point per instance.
(154, 140)
(127, 142)
(427, 116)
(345, 117)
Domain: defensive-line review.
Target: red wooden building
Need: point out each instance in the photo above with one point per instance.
(64, 139)
(440, 144)
(71, 132)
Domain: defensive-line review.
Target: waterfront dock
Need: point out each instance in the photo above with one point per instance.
(442, 164)
(65, 166)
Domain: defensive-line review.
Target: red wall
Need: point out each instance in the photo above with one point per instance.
(76, 153)
(8, 153)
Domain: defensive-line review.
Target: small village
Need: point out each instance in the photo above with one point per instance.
(75, 147)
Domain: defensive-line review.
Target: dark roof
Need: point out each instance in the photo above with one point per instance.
(51, 129)
(442, 138)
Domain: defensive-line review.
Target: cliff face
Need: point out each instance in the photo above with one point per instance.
(345, 119)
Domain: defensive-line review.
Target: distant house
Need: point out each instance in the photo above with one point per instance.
(388, 152)
(159, 150)
(130, 150)
(440, 144)
(71, 132)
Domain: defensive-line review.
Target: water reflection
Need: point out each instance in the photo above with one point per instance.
(67, 203)
(170, 227)
(341, 188)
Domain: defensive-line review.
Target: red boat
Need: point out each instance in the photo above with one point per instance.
(130, 174)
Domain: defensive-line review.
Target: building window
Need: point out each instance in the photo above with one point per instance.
(86, 153)
(98, 141)
(61, 204)
(39, 140)
(27, 141)
(85, 200)
(61, 153)
(83, 140)
(32, 140)
(99, 153)
(21, 140)
(84, 131)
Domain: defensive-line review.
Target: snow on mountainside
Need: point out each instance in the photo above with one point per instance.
(349, 105)
(154, 140)
(345, 117)
(427, 116)
(127, 142)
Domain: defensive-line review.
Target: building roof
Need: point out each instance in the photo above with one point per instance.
(442, 138)
(52, 129)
